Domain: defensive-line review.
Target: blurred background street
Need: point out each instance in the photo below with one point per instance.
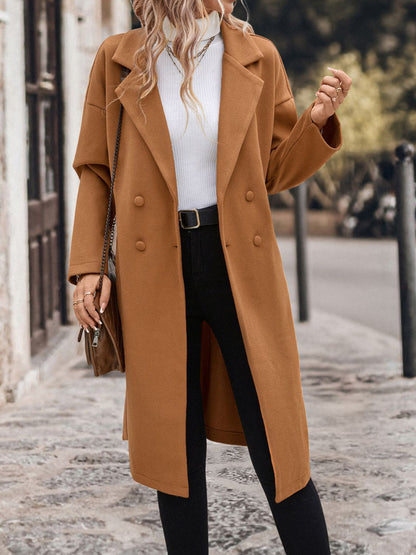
(66, 487)
(357, 280)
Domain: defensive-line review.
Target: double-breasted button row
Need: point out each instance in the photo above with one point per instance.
(257, 240)
(139, 200)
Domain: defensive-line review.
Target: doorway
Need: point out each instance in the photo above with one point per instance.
(45, 175)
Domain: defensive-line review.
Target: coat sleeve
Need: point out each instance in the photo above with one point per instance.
(91, 164)
(298, 148)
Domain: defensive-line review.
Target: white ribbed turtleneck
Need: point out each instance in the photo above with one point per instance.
(195, 153)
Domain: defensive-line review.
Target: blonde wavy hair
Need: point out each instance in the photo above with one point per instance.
(182, 14)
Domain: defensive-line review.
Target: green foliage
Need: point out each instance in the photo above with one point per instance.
(373, 41)
(399, 94)
(376, 41)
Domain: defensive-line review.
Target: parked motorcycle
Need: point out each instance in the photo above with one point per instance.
(369, 213)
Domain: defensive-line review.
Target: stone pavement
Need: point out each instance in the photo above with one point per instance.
(66, 488)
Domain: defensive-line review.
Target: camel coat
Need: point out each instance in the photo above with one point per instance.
(263, 148)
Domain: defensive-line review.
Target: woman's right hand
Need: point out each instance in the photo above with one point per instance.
(85, 290)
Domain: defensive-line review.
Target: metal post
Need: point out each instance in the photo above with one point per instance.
(300, 194)
(405, 186)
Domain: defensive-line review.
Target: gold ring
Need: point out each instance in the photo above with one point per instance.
(87, 293)
(78, 301)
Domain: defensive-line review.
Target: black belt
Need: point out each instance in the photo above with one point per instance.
(195, 217)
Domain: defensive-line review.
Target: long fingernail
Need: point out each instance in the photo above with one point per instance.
(86, 330)
(102, 309)
(332, 69)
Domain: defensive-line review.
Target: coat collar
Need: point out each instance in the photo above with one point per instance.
(240, 92)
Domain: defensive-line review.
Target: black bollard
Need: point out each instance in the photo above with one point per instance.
(300, 194)
(405, 187)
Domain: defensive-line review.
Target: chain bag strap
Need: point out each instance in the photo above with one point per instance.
(104, 349)
(106, 250)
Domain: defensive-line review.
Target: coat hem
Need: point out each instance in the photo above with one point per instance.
(225, 436)
(181, 491)
(292, 487)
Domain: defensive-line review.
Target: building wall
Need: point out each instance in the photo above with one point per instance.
(4, 253)
(16, 344)
(84, 25)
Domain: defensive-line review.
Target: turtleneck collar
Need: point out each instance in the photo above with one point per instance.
(213, 26)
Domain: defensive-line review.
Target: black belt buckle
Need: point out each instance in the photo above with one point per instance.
(198, 223)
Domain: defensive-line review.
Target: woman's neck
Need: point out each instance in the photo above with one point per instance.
(213, 26)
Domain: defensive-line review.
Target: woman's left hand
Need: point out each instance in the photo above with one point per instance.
(332, 93)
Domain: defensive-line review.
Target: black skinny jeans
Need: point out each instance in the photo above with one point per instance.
(299, 518)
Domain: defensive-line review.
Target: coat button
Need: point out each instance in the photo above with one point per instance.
(139, 200)
(249, 196)
(257, 240)
(140, 245)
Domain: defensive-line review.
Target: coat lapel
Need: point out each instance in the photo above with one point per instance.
(240, 92)
(153, 126)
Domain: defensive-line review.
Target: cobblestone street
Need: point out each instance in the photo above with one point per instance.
(65, 484)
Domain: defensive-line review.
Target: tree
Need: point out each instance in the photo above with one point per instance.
(311, 34)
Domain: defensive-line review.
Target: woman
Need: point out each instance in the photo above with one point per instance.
(209, 339)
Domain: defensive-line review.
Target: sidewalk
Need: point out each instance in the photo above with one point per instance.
(65, 484)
